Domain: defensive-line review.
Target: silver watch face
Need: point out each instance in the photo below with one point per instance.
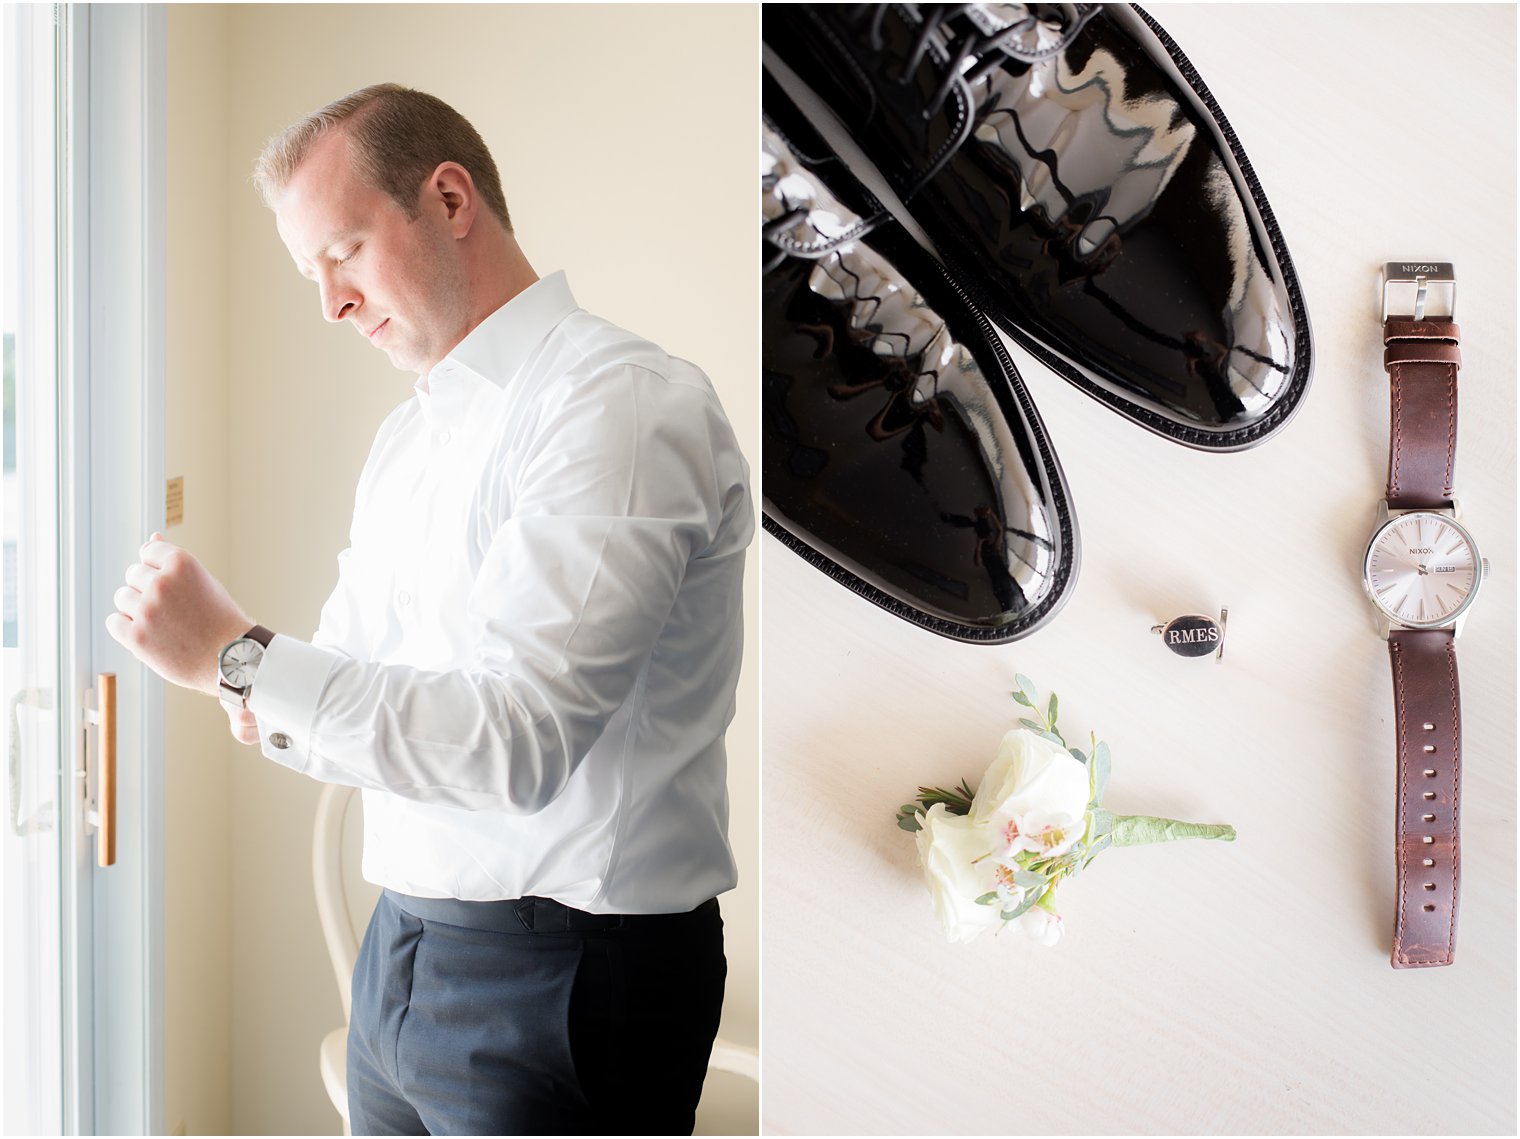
(1422, 569)
(240, 660)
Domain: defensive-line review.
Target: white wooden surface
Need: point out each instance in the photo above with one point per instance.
(1201, 987)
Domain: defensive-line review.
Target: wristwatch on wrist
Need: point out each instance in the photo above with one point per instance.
(1422, 571)
(239, 663)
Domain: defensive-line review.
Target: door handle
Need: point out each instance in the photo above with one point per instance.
(105, 839)
(103, 814)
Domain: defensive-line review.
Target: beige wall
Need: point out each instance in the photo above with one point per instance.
(199, 756)
(624, 136)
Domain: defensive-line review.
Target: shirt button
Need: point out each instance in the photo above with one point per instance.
(279, 740)
(403, 598)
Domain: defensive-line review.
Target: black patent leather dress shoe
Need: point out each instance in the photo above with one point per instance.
(902, 455)
(1077, 177)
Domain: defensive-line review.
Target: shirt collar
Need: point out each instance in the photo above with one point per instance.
(496, 349)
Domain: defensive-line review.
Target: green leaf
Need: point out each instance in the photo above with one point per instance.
(957, 802)
(1032, 726)
(987, 899)
(1076, 754)
(1102, 822)
(1096, 849)
(910, 815)
(1140, 830)
(1024, 700)
(1051, 714)
(1026, 686)
(1030, 901)
(1029, 879)
(1053, 738)
(1098, 771)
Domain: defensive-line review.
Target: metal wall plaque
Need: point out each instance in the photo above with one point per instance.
(174, 501)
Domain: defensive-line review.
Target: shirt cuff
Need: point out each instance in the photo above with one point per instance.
(286, 689)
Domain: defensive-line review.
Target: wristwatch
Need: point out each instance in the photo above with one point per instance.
(239, 663)
(1422, 571)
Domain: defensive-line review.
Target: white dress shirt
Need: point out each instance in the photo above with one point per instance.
(530, 658)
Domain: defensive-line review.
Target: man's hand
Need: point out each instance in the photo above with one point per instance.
(245, 729)
(175, 617)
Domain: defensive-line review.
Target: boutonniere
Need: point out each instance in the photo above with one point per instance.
(994, 856)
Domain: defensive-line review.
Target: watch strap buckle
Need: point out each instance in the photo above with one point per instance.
(1419, 290)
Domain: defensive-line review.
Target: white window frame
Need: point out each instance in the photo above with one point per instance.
(113, 490)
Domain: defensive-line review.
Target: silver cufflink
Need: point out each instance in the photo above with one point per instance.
(1194, 635)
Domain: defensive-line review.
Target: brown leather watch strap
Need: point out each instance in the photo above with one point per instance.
(1422, 358)
(1428, 719)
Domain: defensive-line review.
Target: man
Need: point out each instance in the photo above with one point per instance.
(528, 663)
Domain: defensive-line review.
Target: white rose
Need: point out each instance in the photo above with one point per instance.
(1034, 796)
(952, 850)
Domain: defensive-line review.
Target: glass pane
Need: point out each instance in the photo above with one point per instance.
(29, 846)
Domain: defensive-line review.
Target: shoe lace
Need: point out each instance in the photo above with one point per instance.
(798, 212)
(985, 33)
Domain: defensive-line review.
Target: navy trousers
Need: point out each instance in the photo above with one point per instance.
(531, 1018)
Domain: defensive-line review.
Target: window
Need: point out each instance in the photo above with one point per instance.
(30, 848)
(82, 92)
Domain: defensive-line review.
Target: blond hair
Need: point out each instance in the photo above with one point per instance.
(398, 135)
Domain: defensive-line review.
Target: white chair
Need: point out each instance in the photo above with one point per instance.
(337, 931)
(343, 949)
